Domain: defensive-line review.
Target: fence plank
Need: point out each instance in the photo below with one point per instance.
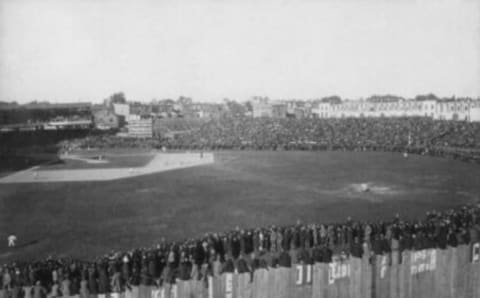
(260, 283)
(317, 282)
(415, 278)
(343, 284)
(382, 275)
(283, 285)
(440, 286)
(405, 281)
(454, 280)
(322, 281)
(355, 288)
(307, 287)
(270, 289)
(366, 277)
(144, 291)
(462, 265)
(201, 288)
(476, 279)
(229, 284)
(244, 286)
(297, 279)
(167, 287)
(394, 278)
(219, 286)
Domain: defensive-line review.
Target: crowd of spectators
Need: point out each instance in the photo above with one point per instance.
(455, 139)
(241, 251)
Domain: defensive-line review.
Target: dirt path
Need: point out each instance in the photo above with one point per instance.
(160, 163)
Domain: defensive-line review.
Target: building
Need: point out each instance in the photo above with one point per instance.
(207, 110)
(141, 128)
(68, 124)
(428, 108)
(459, 110)
(44, 112)
(322, 110)
(453, 110)
(279, 110)
(142, 109)
(105, 119)
(121, 109)
(164, 108)
(475, 113)
(261, 107)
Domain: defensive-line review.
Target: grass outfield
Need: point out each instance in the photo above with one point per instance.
(248, 189)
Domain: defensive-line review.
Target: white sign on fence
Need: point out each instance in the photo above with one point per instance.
(337, 270)
(383, 266)
(210, 287)
(303, 274)
(309, 274)
(228, 285)
(299, 275)
(423, 260)
(476, 252)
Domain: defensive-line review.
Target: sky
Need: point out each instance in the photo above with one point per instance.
(85, 50)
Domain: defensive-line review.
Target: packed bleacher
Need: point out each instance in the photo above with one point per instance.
(24, 149)
(455, 139)
(241, 251)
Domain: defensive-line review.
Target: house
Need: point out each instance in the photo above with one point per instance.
(105, 118)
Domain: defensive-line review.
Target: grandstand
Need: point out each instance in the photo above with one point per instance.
(169, 127)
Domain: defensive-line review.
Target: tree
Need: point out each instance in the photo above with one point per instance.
(429, 96)
(385, 98)
(185, 101)
(118, 97)
(248, 106)
(332, 99)
(234, 108)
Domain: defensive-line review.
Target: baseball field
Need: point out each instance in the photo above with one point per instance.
(247, 189)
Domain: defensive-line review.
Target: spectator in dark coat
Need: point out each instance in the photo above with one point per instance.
(284, 259)
(92, 281)
(103, 280)
(356, 248)
(229, 266)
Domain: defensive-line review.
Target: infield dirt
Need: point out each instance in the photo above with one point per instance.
(94, 169)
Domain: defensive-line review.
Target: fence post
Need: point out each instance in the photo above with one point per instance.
(441, 274)
(260, 283)
(381, 274)
(320, 281)
(283, 285)
(461, 253)
(366, 277)
(405, 280)
(243, 286)
(355, 289)
(476, 277)
(394, 269)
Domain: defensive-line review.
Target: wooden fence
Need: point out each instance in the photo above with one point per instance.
(450, 273)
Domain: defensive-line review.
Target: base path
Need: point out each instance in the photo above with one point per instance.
(160, 163)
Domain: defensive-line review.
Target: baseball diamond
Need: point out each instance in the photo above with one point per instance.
(159, 163)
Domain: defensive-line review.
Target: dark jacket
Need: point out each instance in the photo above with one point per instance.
(284, 260)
